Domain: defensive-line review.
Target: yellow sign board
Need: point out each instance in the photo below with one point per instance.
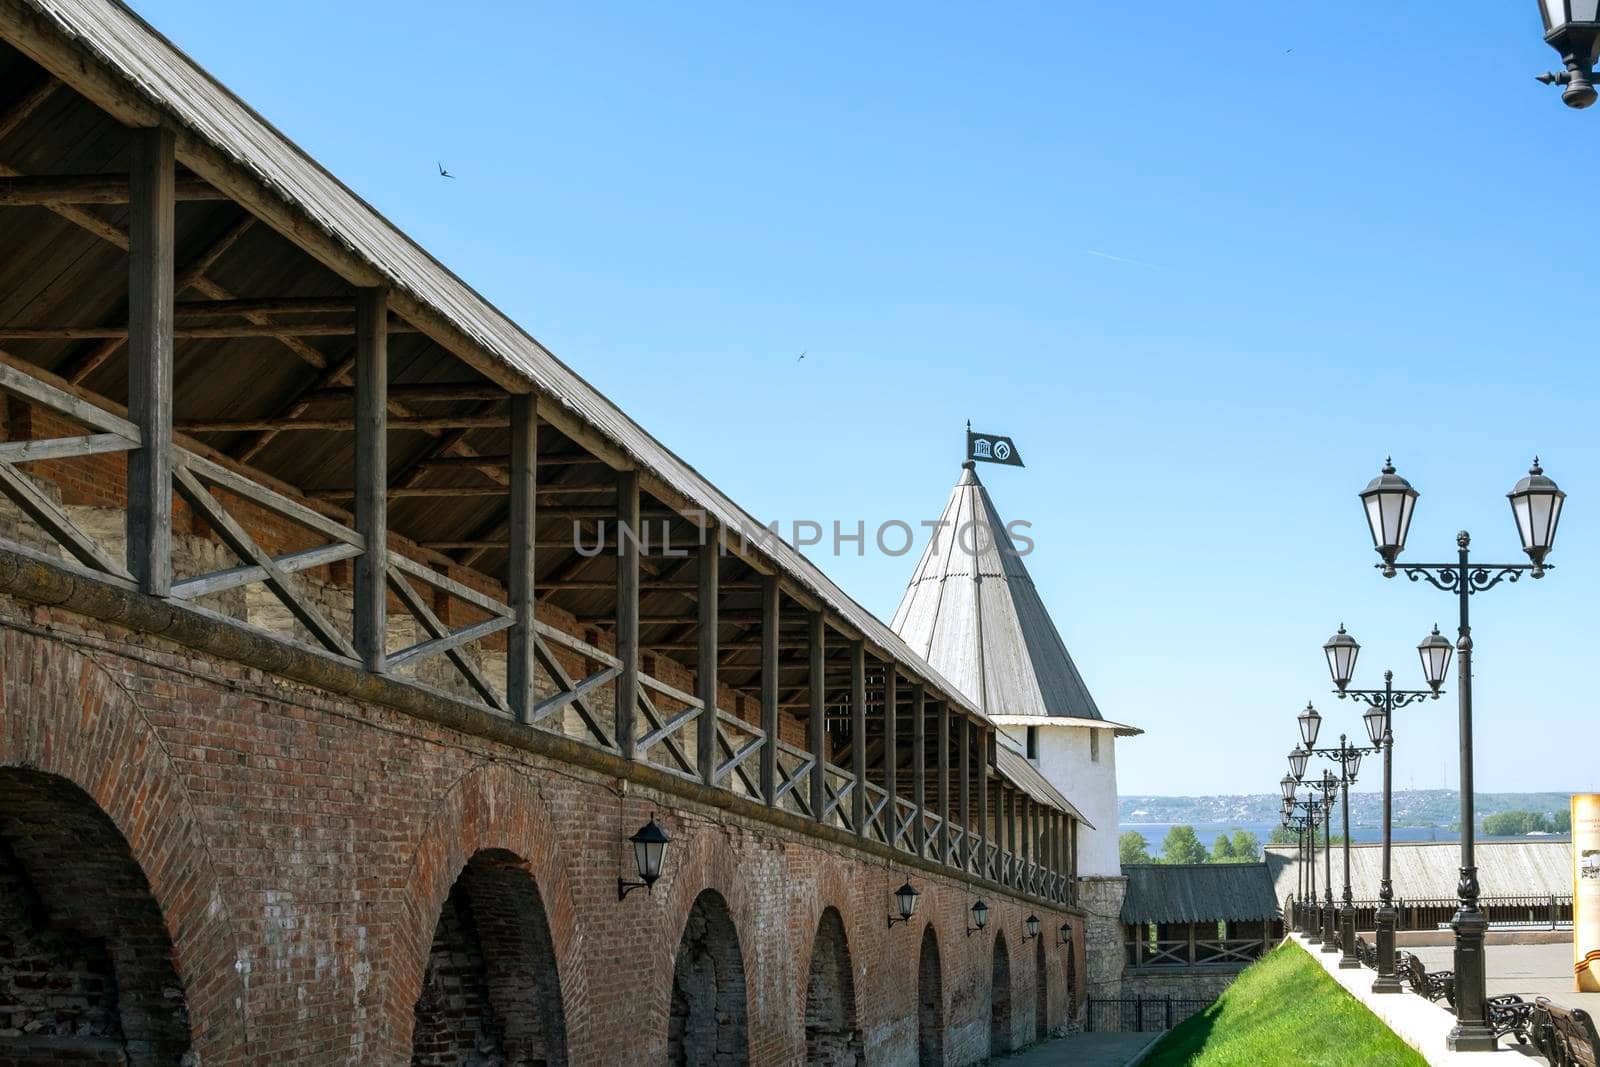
(1586, 892)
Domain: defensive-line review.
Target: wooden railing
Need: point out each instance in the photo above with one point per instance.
(433, 618)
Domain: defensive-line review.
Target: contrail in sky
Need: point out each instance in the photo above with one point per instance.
(1123, 259)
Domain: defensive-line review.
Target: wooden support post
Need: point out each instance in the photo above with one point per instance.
(627, 633)
(769, 688)
(1053, 821)
(705, 752)
(1074, 860)
(891, 750)
(151, 214)
(919, 775)
(521, 692)
(371, 624)
(983, 802)
(1005, 827)
(944, 781)
(816, 725)
(964, 798)
(1027, 842)
(858, 736)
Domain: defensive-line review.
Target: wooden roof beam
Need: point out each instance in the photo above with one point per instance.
(48, 189)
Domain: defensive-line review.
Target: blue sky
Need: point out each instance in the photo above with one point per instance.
(1207, 266)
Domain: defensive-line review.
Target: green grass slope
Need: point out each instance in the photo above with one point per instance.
(1284, 1009)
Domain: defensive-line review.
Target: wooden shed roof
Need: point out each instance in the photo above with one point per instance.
(1198, 893)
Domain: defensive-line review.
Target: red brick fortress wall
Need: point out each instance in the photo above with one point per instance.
(301, 848)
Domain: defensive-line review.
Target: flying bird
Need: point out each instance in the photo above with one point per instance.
(1286, 51)
(802, 355)
(442, 172)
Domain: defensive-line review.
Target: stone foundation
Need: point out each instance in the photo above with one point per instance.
(1101, 900)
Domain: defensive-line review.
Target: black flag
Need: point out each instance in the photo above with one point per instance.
(992, 448)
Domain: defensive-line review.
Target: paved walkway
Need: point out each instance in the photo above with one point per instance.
(1081, 1050)
(1528, 970)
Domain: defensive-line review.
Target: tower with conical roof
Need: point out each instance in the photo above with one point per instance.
(972, 611)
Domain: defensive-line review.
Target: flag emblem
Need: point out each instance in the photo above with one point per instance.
(992, 448)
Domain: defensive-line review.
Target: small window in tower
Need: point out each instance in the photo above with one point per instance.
(1033, 742)
(1094, 746)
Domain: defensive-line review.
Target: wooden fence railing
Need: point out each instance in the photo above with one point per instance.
(434, 619)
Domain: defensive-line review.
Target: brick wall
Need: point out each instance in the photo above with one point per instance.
(301, 849)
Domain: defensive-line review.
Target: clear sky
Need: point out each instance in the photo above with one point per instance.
(1206, 264)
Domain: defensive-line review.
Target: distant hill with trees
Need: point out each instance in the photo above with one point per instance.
(1412, 807)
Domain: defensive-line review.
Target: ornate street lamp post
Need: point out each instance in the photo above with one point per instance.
(1348, 757)
(1342, 651)
(1536, 504)
(1300, 814)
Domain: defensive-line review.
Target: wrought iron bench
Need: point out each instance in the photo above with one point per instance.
(1367, 954)
(1509, 1014)
(1436, 986)
(1564, 1036)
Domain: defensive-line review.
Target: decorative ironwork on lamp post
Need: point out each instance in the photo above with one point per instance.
(1536, 503)
(1342, 651)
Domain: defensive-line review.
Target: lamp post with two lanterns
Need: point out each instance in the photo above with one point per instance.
(1536, 503)
(1342, 650)
(1348, 759)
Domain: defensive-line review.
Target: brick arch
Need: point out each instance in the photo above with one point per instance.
(930, 999)
(832, 1020)
(831, 890)
(705, 856)
(62, 715)
(1041, 990)
(494, 812)
(709, 1013)
(1000, 1028)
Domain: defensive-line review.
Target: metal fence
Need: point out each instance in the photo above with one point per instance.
(1131, 1015)
(1539, 912)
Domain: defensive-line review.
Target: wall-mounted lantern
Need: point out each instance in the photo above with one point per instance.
(980, 918)
(649, 852)
(1032, 923)
(905, 899)
(1065, 934)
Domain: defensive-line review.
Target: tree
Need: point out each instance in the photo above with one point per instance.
(1133, 847)
(1561, 821)
(1222, 850)
(1182, 846)
(1246, 846)
(1282, 835)
(1519, 823)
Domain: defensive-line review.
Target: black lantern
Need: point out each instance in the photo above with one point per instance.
(1064, 934)
(1388, 500)
(1377, 719)
(1310, 724)
(1435, 651)
(1032, 923)
(1341, 650)
(1536, 504)
(1287, 784)
(980, 918)
(1572, 28)
(905, 898)
(649, 852)
(1352, 763)
(1297, 762)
